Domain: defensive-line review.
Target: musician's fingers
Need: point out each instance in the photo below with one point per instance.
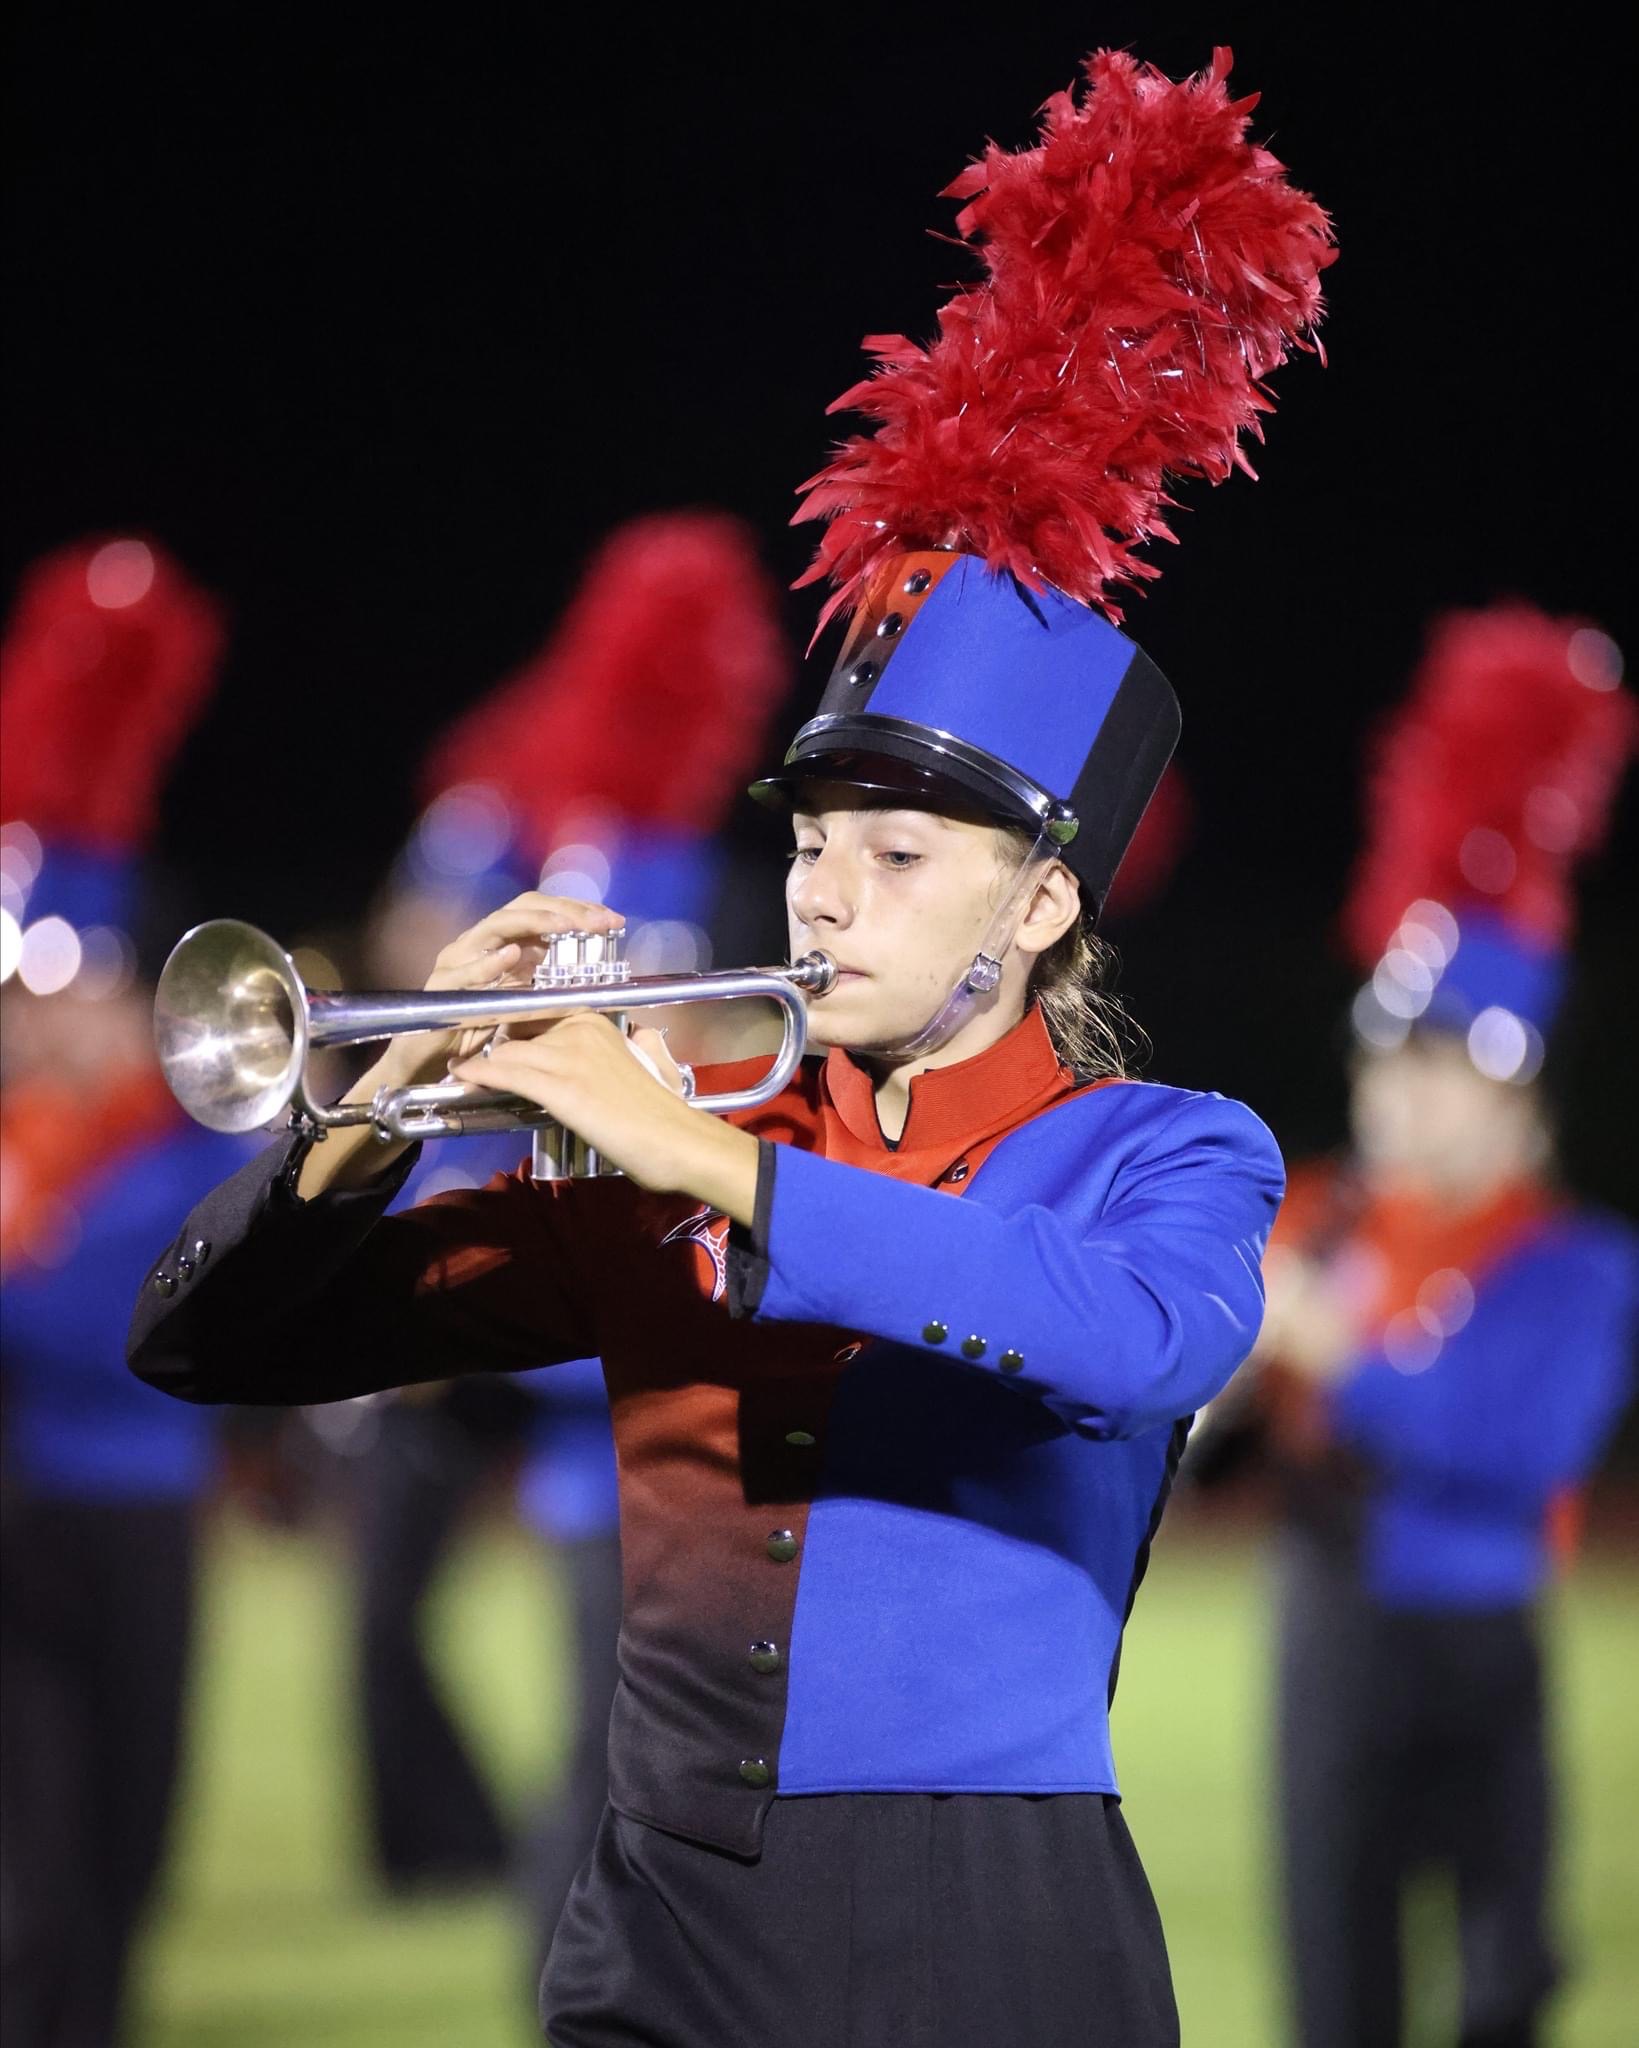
(650, 1047)
(475, 970)
(523, 922)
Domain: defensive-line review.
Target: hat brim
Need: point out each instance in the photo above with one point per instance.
(890, 757)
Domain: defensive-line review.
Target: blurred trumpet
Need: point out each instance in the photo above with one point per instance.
(234, 1027)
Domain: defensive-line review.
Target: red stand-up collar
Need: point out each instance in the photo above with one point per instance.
(956, 1106)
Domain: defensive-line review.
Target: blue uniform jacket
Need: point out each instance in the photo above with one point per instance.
(77, 1426)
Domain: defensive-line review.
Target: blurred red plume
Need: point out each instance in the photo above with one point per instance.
(1495, 776)
(651, 696)
(109, 653)
(1156, 848)
(1147, 267)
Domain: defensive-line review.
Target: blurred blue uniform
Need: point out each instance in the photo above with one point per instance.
(1466, 1455)
(1411, 1697)
(102, 1482)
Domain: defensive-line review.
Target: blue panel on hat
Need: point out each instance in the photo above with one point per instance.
(1029, 678)
(87, 888)
(1496, 966)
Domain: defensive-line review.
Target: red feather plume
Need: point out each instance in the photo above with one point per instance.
(1495, 777)
(651, 696)
(109, 653)
(1148, 267)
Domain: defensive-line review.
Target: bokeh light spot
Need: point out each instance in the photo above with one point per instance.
(1594, 659)
(1487, 861)
(1409, 1344)
(1504, 1047)
(50, 956)
(108, 963)
(120, 575)
(1446, 1299)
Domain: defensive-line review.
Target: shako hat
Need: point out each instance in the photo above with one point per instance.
(1146, 267)
(111, 653)
(1489, 784)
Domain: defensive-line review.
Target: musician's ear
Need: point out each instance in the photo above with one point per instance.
(1054, 907)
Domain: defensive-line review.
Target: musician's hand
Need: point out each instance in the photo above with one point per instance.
(502, 949)
(1307, 1326)
(582, 1071)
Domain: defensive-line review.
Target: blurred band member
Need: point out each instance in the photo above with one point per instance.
(108, 658)
(900, 1362)
(607, 765)
(1448, 1343)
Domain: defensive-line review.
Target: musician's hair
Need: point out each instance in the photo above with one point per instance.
(1073, 984)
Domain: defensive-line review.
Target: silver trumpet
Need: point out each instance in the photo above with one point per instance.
(234, 1027)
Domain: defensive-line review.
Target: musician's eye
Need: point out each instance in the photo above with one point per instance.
(899, 857)
(807, 855)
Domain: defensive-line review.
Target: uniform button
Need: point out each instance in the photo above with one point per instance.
(958, 1172)
(782, 1546)
(934, 1332)
(765, 1656)
(165, 1282)
(1011, 1361)
(201, 1250)
(916, 582)
(848, 1354)
(973, 1347)
(184, 1266)
(755, 1771)
(802, 1439)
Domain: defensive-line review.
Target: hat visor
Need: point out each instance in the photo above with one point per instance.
(890, 758)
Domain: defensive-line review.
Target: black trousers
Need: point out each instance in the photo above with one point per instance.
(559, 1837)
(432, 1820)
(96, 1606)
(871, 1920)
(1408, 1742)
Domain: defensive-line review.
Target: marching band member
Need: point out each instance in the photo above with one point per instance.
(899, 1364)
(110, 655)
(672, 642)
(1448, 1346)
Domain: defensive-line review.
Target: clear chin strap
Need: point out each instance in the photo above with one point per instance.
(982, 976)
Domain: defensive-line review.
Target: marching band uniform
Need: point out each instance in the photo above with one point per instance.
(109, 655)
(1492, 1358)
(891, 1458)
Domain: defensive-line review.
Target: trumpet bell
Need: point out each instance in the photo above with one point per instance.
(230, 1026)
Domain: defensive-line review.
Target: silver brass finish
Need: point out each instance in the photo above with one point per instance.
(234, 1027)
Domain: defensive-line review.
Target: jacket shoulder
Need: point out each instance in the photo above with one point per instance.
(1148, 1118)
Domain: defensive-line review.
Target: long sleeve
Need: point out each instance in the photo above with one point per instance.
(264, 1298)
(1520, 1401)
(1124, 1294)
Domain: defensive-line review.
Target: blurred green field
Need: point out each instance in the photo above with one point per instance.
(271, 1936)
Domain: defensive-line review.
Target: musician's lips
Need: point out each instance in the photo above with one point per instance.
(844, 974)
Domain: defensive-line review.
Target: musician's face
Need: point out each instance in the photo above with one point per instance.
(1424, 1118)
(901, 898)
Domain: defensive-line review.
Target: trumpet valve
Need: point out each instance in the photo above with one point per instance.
(583, 960)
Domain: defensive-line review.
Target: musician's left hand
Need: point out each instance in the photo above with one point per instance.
(582, 1072)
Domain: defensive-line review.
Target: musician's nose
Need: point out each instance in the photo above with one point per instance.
(821, 892)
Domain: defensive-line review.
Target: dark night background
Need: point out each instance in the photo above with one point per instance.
(380, 325)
